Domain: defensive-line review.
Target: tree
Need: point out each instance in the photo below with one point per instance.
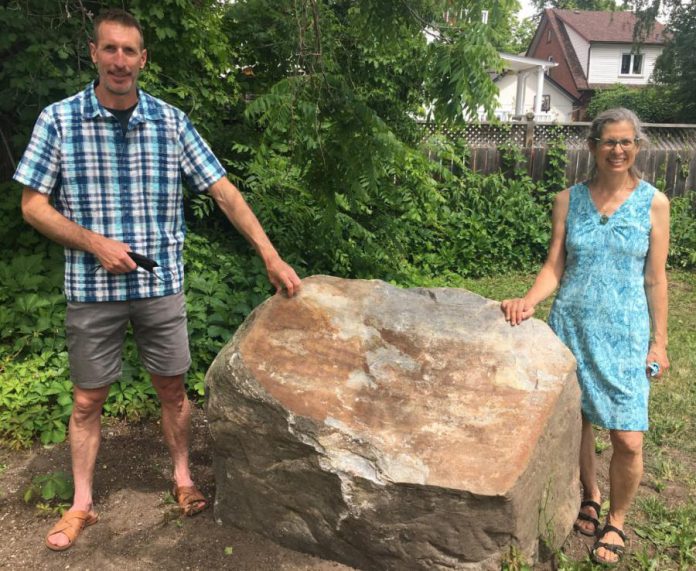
(329, 145)
(521, 35)
(676, 66)
(312, 105)
(45, 57)
(599, 5)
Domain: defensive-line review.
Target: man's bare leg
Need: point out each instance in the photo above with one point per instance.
(176, 424)
(85, 436)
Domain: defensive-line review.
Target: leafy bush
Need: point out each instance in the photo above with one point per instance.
(652, 104)
(430, 225)
(682, 251)
(52, 487)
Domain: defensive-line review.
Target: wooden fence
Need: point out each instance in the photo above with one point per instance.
(669, 156)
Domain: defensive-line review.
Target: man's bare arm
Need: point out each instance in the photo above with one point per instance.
(40, 213)
(232, 203)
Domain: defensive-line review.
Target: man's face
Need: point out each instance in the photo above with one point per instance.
(119, 58)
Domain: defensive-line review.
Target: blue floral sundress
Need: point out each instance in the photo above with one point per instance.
(601, 310)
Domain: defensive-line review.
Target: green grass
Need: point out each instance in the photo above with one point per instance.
(664, 514)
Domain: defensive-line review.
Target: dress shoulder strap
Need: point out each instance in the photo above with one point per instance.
(579, 193)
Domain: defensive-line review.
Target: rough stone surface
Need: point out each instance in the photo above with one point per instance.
(395, 428)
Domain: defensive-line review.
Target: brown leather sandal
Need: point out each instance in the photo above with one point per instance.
(71, 524)
(189, 499)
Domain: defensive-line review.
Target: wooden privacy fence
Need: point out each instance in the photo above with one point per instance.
(669, 156)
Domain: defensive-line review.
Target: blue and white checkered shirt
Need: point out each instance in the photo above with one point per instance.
(128, 188)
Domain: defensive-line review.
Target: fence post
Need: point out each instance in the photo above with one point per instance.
(529, 133)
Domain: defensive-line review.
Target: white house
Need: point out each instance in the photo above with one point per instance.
(595, 50)
(518, 86)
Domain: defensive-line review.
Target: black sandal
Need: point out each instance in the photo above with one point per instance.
(585, 517)
(618, 550)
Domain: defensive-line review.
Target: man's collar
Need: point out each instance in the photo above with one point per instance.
(146, 109)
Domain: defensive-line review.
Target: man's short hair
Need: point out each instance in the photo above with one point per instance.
(120, 17)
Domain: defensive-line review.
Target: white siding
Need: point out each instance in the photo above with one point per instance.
(581, 47)
(605, 64)
(561, 104)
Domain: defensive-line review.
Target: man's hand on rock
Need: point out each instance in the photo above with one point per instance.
(283, 277)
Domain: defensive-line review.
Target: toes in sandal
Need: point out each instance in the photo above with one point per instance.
(190, 499)
(586, 517)
(71, 524)
(618, 550)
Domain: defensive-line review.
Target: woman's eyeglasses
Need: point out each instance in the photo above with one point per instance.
(609, 144)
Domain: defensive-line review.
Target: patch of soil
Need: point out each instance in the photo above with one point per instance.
(139, 527)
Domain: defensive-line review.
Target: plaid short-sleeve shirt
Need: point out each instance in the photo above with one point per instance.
(126, 187)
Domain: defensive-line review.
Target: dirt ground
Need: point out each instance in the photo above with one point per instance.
(138, 527)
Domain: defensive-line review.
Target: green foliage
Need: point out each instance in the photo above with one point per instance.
(45, 55)
(600, 5)
(676, 66)
(520, 37)
(53, 487)
(557, 159)
(652, 104)
(671, 531)
(35, 399)
(682, 252)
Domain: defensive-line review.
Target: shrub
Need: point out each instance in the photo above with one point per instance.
(652, 104)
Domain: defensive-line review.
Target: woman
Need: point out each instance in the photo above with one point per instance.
(608, 252)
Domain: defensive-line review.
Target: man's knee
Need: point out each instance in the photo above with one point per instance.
(170, 390)
(88, 402)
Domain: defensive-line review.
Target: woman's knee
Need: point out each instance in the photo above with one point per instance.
(627, 442)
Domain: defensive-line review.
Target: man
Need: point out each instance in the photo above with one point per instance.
(112, 159)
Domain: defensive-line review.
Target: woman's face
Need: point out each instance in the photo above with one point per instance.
(616, 150)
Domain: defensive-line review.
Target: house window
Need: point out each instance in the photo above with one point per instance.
(545, 103)
(548, 36)
(631, 64)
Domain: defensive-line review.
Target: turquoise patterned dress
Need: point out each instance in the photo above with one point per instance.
(601, 310)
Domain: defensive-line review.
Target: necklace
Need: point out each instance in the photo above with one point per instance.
(603, 216)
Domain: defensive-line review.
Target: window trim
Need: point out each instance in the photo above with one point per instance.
(631, 64)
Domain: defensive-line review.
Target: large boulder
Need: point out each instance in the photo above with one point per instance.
(394, 428)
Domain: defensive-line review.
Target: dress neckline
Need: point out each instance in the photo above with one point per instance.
(604, 218)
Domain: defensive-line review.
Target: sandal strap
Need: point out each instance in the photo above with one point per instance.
(593, 520)
(591, 504)
(188, 495)
(613, 547)
(71, 524)
(608, 528)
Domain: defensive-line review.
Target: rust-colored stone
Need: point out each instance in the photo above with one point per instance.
(396, 429)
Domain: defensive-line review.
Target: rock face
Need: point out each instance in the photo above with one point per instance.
(395, 429)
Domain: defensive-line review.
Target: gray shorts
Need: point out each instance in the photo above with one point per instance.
(96, 331)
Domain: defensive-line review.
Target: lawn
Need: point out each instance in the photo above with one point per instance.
(663, 518)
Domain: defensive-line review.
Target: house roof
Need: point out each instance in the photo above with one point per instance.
(615, 27)
(593, 27)
(551, 14)
(522, 63)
